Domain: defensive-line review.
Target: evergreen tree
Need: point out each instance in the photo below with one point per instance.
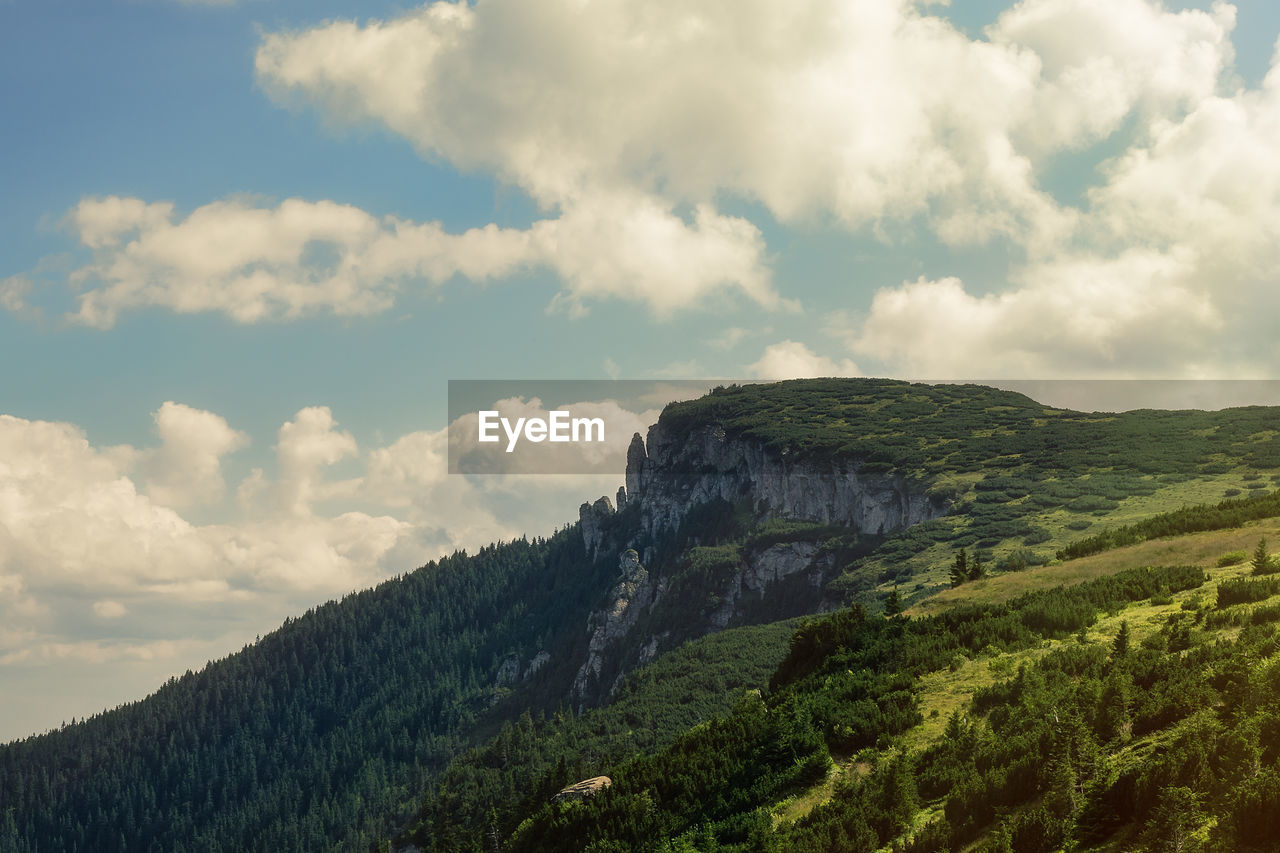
(960, 570)
(1261, 562)
(1175, 817)
(976, 571)
(1120, 647)
(892, 603)
(1114, 716)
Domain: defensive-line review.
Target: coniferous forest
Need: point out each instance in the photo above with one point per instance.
(1082, 652)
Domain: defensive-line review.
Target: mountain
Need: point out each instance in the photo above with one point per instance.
(446, 706)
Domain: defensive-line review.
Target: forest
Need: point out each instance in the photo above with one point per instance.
(1133, 708)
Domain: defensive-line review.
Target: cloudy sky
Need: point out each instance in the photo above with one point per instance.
(244, 245)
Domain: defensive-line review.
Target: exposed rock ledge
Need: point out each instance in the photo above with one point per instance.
(670, 474)
(634, 593)
(585, 788)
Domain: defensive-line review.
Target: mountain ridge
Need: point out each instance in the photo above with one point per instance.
(713, 524)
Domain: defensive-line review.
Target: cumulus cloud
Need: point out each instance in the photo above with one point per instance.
(794, 360)
(865, 112)
(1170, 269)
(69, 514)
(1078, 317)
(877, 117)
(874, 115)
(256, 262)
(87, 529)
(187, 468)
(1098, 61)
(73, 517)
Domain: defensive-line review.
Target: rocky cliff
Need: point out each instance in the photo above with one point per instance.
(670, 476)
(671, 473)
(635, 592)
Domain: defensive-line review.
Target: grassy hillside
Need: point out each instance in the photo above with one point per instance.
(1062, 735)
(327, 733)
(1026, 480)
(873, 757)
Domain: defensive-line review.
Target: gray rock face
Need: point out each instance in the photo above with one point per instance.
(539, 660)
(636, 457)
(591, 518)
(508, 672)
(670, 474)
(769, 566)
(634, 593)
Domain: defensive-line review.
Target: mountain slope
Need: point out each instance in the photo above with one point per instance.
(749, 506)
(316, 733)
(1083, 734)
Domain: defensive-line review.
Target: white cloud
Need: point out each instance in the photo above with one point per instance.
(308, 444)
(794, 360)
(1080, 317)
(1171, 268)
(255, 262)
(68, 514)
(14, 292)
(187, 468)
(76, 527)
(1100, 60)
(866, 112)
(872, 116)
(729, 338)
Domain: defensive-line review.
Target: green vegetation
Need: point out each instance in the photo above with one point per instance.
(849, 683)
(1039, 704)
(489, 787)
(318, 732)
(1262, 563)
(936, 432)
(1228, 513)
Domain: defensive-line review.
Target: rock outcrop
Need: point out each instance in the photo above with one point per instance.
(772, 564)
(582, 790)
(670, 474)
(634, 593)
(538, 661)
(591, 518)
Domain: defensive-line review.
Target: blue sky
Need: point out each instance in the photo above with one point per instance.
(244, 245)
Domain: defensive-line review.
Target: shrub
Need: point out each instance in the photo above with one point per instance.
(1246, 590)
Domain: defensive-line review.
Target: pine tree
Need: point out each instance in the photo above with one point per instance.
(1262, 559)
(1114, 718)
(892, 603)
(1120, 647)
(1174, 819)
(976, 572)
(960, 571)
